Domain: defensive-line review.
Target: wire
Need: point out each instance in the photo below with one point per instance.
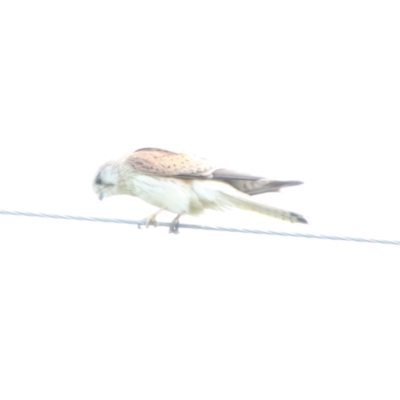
(204, 227)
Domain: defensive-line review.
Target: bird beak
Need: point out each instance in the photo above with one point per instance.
(101, 195)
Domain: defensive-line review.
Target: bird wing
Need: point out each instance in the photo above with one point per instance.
(161, 162)
(251, 184)
(167, 163)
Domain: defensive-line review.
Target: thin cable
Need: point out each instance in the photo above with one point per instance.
(204, 227)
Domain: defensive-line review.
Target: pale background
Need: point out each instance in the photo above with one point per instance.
(291, 90)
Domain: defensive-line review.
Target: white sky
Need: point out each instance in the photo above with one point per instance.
(290, 90)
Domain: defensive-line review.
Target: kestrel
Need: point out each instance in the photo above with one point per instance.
(185, 184)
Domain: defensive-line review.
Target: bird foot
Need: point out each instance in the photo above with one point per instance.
(151, 219)
(174, 228)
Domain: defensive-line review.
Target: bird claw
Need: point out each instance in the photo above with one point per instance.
(152, 222)
(174, 228)
(147, 222)
(151, 219)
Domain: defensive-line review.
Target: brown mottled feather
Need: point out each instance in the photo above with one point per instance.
(167, 163)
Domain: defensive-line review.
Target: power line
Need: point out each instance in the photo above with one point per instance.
(204, 227)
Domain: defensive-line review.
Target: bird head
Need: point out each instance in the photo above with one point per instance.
(105, 183)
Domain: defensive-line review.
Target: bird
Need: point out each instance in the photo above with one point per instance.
(186, 184)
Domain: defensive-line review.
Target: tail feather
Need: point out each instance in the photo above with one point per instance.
(253, 187)
(245, 203)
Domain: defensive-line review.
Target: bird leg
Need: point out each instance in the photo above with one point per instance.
(151, 219)
(174, 228)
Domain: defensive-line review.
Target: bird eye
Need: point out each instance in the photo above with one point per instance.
(98, 180)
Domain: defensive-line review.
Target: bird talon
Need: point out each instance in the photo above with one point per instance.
(151, 219)
(152, 222)
(174, 227)
(174, 230)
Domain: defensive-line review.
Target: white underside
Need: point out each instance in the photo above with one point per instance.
(180, 196)
(193, 196)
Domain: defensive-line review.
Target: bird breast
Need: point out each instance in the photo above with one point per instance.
(175, 195)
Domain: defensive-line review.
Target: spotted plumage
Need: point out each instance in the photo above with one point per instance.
(186, 184)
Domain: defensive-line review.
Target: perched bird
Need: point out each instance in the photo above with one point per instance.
(185, 184)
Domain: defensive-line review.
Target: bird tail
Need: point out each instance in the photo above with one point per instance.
(253, 187)
(244, 202)
(250, 184)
